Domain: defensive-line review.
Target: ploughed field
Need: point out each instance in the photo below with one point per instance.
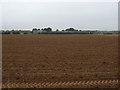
(59, 58)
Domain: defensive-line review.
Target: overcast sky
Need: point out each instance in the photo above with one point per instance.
(60, 15)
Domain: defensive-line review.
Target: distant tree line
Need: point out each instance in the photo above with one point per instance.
(48, 30)
(43, 29)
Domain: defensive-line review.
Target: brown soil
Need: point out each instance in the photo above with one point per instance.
(56, 58)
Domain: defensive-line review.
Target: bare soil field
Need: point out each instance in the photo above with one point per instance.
(59, 58)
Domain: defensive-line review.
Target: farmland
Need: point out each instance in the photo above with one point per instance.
(59, 58)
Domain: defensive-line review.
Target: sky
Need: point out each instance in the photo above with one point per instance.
(59, 15)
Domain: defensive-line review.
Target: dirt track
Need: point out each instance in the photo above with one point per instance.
(59, 58)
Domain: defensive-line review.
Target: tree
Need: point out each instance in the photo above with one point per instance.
(57, 30)
(42, 29)
(70, 29)
(34, 29)
(47, 29)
